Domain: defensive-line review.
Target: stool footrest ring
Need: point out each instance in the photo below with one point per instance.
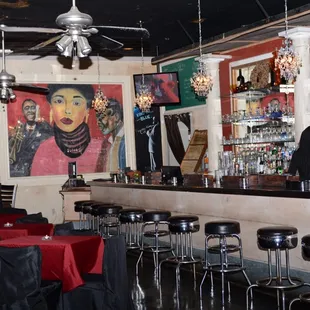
(285, 285)
(183, 260)
(229, 268)
(229, 248)
(305, 297)
(152, 249)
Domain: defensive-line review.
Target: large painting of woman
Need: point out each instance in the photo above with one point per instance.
(72, 141)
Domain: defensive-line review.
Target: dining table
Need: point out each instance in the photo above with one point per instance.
(14, 230)
(65, 258)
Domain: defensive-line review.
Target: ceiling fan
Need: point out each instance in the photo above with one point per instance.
(72, 39)
(8, 82)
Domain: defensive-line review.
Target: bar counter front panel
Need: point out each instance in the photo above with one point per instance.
(252, 208)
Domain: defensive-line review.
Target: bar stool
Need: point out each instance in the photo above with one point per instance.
(277, 239)
(131, 220)
(108, 214)
(305, 251)
(222, 231)
(182, 227)
(78, 207)
(153, 219)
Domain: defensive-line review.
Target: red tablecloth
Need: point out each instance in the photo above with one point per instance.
(32, 229)
(10, 218)
(65, 258)
(6, 233)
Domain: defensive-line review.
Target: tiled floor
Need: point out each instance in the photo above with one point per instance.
(149, 295)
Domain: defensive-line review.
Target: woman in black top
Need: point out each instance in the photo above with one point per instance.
(301, 158)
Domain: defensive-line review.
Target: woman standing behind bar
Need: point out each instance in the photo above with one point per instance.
(70, 106)
(301, 158)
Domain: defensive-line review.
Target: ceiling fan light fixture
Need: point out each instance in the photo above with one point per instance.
(84, 46)
(63, 43)
(4, 94)
(68, 51)
(11, 94)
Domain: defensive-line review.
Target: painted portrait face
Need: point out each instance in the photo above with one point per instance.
(68, 108)
(107, 121)
(29, 110)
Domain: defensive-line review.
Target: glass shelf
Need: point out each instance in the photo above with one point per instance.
(262, 121)
(260, 142)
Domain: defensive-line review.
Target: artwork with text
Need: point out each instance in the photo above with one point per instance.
(48, 132)
(148, 139)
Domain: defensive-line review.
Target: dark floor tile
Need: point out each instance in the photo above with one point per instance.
(149, 295)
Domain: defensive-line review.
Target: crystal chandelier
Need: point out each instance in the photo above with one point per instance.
(201, 81)
(100, 101)
(144, 97)
(287, 61)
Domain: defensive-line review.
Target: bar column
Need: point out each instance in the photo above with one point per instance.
(214, 110)
(300, 37)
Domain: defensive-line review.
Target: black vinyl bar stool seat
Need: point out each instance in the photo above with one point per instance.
(276, 239)
(227, 234)
(305, 252)
(182, 227)
(152, 222)
(79, 207)
(108, 218)
(131, 220)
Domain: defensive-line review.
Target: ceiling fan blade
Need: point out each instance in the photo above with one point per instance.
(45, 43)
(30, 88)
(145, 33)
(105, 42)
(30, 29)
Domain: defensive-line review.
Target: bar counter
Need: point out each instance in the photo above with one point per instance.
(253, 208)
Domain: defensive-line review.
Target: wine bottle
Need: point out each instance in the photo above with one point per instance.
(241, 80)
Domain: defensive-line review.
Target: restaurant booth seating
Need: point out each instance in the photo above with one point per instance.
(35, 218)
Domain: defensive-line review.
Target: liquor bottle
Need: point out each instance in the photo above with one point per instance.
(241, 81)
(262, 166)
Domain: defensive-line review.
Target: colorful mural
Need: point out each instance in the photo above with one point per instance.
(47, 132)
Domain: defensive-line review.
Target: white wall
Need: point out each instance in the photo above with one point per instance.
(41, 194)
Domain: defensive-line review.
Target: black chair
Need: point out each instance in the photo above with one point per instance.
(35, 218)
(74, 232)
(20, 280)
(65, 226)
(8, 195)
(109, 290)
(13, 211)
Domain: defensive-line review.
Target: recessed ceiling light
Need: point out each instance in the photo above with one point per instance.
(127, 48)
(196, 20)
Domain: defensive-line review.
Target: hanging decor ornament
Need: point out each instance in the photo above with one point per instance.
(201, 81)
(287, 60)
(100, 101)
(144, 97)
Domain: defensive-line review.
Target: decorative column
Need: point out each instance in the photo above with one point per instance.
(214, 111)
(300, 37)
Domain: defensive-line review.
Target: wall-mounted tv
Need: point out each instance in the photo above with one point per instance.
(163, 86)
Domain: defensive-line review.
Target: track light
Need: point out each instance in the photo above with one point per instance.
(68, 50)
(63, 43)
(83, 46)
(11, 94)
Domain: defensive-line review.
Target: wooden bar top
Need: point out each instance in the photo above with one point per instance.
(252, 191)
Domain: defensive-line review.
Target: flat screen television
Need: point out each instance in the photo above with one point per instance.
(163, 86)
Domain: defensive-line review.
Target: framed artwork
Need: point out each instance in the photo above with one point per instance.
(46, 132)
(148, 139)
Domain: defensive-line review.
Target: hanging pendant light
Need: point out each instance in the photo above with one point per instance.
(100, 101)
(144, 97)
(287, 60)
(201, 81)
